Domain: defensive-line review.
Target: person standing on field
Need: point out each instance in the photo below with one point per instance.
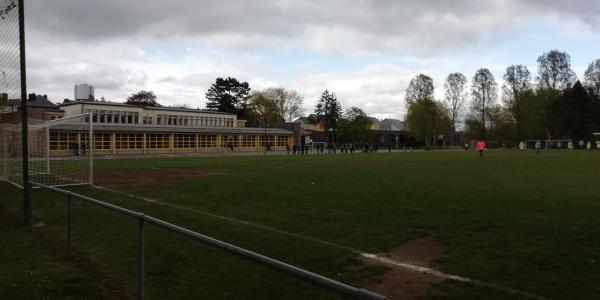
(481, 148)
(538, 146)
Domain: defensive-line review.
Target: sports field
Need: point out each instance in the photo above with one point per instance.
(517, 224)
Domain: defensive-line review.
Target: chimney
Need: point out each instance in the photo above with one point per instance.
(31, 97)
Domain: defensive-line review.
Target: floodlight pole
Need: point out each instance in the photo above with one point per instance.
(24, 133)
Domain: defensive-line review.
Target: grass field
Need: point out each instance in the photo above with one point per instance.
(513, 219)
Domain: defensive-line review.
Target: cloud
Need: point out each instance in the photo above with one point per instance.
(418, 27)
(365, 51)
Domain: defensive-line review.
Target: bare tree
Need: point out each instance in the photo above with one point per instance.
(517, 82)
(289, 102)
(554, 70)
(420, 88)
(592, 77)
(456, 96)
(484, 91)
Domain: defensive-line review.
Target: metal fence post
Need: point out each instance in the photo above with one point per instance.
(140, 257)
(69, 201)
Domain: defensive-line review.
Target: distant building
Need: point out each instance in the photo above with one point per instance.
(392, 124)
(374, 123)
(38, 108)
(84, 91)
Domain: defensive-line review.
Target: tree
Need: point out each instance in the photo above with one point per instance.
(420, 88)
(592, 78)
(502, 126)
(554, 70)
(329, 112)
(142, 98)
(427, 119)
(289, 103)
(266, 107)
(484, 92)
(536, 114)
(228, 95)
(355, 126)
(517, 83)
(576, 113)
(456, 96)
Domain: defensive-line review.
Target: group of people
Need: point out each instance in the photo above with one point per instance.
(331, 148)
(480, 146)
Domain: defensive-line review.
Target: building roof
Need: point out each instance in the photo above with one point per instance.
(392, 124)
(68, 102)
(34, 100)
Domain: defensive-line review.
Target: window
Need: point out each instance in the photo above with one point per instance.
(207, 141)
(128, 141)
(185, 141)
(229, 141)
(282, 141)
(266, 140)
(157, 141)
(248, 141)
(101, 141)
(63, 141)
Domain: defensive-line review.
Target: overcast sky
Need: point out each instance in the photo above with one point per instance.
(366, 51)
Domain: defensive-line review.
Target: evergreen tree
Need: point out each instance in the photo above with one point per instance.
(329, 112)
(228, 95)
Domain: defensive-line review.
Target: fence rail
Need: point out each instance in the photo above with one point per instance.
(336, 286)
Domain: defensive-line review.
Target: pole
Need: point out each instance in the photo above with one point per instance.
(24, 133)
(140, 257)
(48, 150)
(69, 203)
(91, 149)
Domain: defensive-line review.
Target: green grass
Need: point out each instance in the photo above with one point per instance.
(514, 219)
(29, 272)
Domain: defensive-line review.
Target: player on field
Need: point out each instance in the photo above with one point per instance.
(481, 148)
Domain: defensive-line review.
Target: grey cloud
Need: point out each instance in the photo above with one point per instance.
(413, 26)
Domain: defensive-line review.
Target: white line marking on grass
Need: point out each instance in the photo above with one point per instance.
(371, 256)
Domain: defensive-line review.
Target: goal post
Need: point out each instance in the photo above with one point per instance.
(548, 144)
(59, 152)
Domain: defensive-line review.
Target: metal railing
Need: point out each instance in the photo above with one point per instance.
(336, 286)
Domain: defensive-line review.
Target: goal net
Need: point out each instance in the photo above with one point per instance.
(548, 144)
(59, 152)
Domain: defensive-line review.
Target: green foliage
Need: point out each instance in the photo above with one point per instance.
(328, 111)
(228, 95)
(142, 98)
(266, 108)
(576, 114)
(355, 126)
(427, 119)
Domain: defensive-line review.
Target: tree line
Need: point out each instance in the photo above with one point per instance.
(553, 105)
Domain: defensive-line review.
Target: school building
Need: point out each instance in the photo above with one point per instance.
(129, 129)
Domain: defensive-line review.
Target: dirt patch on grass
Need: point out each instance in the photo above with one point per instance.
(123, 178)
(402, 283)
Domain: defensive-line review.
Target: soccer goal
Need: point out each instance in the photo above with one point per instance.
(549, 144)
(59, 152)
